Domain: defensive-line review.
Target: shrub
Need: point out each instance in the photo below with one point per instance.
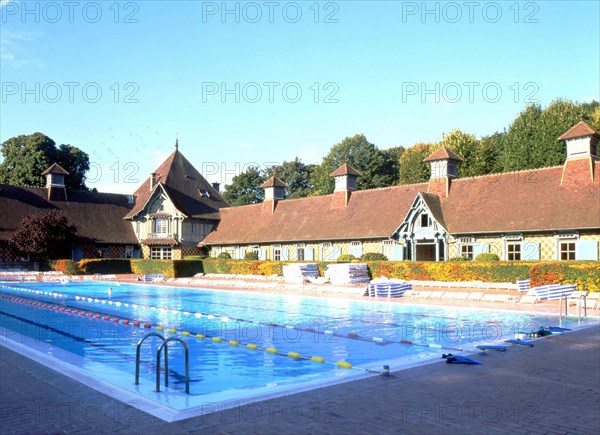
(373, 256)
(68, 267)
(346, 258)
(224, 256)
(487, 256)
(460, 258)
(585, 274)
(251, 255)
(146, 267)
(195, 257)
(185, 268)
(104, 266)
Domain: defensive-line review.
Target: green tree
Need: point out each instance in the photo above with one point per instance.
(531, 139)
(245, 187)
(296, 175)
(25, 157)
(392, 164)
(45, 235)
(412, 167)
(467, 146)
(361, 154)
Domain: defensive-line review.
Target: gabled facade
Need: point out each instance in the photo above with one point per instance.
(175, 209)
(541, 214)
(166, 218)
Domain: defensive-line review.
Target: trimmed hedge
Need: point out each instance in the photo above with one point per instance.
(487, 256)
(68, 267)
(105, 266)
(373, 256)
(585, 274)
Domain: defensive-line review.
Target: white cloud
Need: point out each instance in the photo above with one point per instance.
(13, 51)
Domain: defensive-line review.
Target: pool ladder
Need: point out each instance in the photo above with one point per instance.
(161, 348)
(565, 298)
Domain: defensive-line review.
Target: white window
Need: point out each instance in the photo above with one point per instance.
(466, 247)
(161, 253)
(277, 253)
(425, 220)
(513, 251)
(128, 251)
(566, 248)
(355, 243)
(326, 244)
(160, 226)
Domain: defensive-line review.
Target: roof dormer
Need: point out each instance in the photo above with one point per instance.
(581, 141)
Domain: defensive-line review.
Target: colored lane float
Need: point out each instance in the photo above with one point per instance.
(353, 336)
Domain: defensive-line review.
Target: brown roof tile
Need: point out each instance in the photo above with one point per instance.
(345, 169)
(97, 216)
(273, 182)
(525, 201)
(183, 184)
(55, 168)
(443, 154)
(578, 130)
(369, 214)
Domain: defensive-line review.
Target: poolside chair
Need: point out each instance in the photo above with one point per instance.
(448, 295)
(475, 296)
(461, 296)
(524, 285)
(488, 298)
(593, 300)
(436, 295)
(530, 298)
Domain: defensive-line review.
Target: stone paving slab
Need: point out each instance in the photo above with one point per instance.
(551, 388)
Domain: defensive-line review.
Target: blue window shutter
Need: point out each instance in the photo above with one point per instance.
(480, 248)
(308, 254)
(336, 251)
(262, 255)
(398, 253)
(530, 251)
(356, 250)
(285, 254)
(586, 250)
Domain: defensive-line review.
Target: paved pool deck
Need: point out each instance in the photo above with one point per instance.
(551, 388)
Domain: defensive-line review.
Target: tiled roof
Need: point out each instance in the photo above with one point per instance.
(578, 130)
(183, 184)
(522, 201)
(273, 182)
(345, 169)
(531, 200)
(97, 216)
(369, 214)
(55, 168)
(443, 154)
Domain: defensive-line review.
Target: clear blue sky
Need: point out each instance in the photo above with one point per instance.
(380, 65)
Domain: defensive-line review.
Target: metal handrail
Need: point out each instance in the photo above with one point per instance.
(566, 299)
(137, 354)
(584, 297)
(187, 364)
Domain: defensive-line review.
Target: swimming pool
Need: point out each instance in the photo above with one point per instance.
(242, 346)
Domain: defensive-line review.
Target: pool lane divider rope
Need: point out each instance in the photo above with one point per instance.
(353, 336)
(215, 339)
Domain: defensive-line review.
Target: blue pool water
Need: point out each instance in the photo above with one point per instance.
(366, 334)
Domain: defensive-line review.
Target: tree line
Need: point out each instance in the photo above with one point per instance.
(529, 142)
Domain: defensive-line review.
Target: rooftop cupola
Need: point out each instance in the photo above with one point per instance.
(55, 182)
(582, 150)
(274, 191)
(345, 183)
(443, 170)
(581, 141)
(345, 178)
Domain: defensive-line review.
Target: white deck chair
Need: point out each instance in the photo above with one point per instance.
(436, 295)
(475, 296)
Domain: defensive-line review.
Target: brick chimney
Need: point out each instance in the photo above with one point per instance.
(55, 182)
(345, 183)
(274, 192)
(581, 141)
(443, 170)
